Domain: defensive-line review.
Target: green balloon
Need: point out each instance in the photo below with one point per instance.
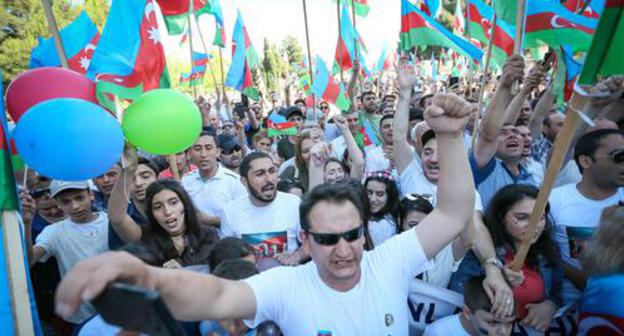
(162, 121)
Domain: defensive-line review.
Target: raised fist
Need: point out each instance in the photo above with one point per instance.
(448, 113)
(534, 78)
(607, 91)
(406, 75)
(513, 70)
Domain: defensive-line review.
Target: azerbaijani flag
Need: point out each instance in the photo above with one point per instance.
(361, 6)
(129, 59)
(567, 70)
(604, 57)
(9, 306)
(244, 58)
(215, 10)
(480, 18)
(198, 70)
(458, 21)
(348, 41)
(278, 125)
(386, 58)
(550, 23)
(175, 13)
(417, 28)
(432, 8)
(80, 38)
(326, 88)
(602, 311)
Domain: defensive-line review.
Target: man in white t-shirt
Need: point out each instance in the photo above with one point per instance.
(377, 157)
(475, 319)
(84, 234)
(265, 218)
(421, 176)
(211, 186)
(344, 290)
(576, 208)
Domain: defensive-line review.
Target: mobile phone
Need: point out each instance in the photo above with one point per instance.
(136, 309)
(245, 100)
(239, 110)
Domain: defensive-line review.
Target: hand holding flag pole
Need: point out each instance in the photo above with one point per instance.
(519, 34)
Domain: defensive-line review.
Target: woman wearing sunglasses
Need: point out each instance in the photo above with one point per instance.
(344, 290)
(537, 291)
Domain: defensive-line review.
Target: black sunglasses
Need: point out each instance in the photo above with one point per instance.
(235, 149)
(39, 192)
(324, 107)
(617, 157)
(329, 239)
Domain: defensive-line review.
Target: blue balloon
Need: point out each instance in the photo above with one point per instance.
(69, 139)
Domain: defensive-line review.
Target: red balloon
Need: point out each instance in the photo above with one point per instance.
(41, 84)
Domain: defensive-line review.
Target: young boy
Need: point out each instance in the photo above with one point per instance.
(82, 235)
(475, 319)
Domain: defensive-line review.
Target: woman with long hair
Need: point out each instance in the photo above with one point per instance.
(537, 290)
(173, 231)
(383, 200)
(303, 145)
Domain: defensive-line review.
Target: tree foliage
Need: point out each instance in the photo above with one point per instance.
(291, 48)
(22, 22)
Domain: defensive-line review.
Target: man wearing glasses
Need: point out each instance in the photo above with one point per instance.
(344, 290)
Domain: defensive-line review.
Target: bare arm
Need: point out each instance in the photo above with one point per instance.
(467, 238)
(253, 121)
(357, 158)
(406, 81)
(448, 116)
(495, 117)
(544, 105)
(316, 168)
(534, 78)
(353, 81)
(127, 229)
(227, 299)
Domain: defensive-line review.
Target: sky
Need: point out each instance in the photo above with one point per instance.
(276, 19)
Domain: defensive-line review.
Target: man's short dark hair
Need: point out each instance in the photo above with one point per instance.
(416, 114)
(235, 269)
(302, 101)
(149, 163)
(475, 297)
(332, 193)
(210, 133)
(384, 118)
(367, 93)
(226, 249)
(246, 164)
(589, 143)
(428, 135)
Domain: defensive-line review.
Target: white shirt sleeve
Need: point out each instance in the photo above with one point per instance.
(403, 253)
(269, 287)
(47, 240)
(225, 229)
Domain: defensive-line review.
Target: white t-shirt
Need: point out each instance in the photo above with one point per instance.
(272, 229)
(376, 159)
(211, 195)
(382, 230)
(575, 218)
(70, 243)
(300, 302)
(445, 265)
(338, 147)
(450, 325)
(413, 180)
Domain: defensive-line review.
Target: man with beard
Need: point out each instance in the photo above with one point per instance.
(104, 184)
(378, 157)
(266, 218)
(211, 186)
(230, 153)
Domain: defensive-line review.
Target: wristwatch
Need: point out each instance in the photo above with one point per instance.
(492, 261)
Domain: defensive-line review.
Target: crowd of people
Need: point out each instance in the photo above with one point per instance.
(321, 233)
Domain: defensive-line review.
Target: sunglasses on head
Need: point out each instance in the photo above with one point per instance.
(39, 192)
(329, 239)
(415, 197)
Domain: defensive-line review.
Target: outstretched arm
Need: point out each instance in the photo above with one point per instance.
(127, 229)
(495, 117)
(448, 116)
(406, 79)
(228, 299)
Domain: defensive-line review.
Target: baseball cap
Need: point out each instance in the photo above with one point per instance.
(57, 186)
(228, 142)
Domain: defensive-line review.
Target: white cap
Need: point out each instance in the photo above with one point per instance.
(57, 186)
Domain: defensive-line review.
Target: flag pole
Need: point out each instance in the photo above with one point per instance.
(355, 42)
(305, 19)
(53, 28)
(559, 150)
(519, 33)
(339, 44)
(201, 37)
(486, 71)
(190, 32)
(222, 72)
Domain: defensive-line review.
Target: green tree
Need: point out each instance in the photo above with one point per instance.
(21, 23)
(97, 11)
(273, 65)
(291, 49)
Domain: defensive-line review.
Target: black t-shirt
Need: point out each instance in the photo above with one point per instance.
(285, 149)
